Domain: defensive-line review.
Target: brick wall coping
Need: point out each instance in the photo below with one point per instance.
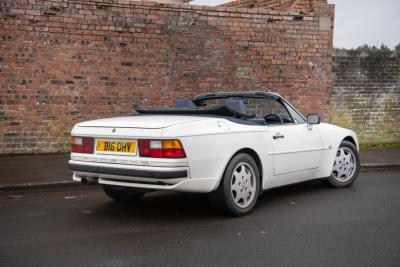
(217, 11)
(233, 3)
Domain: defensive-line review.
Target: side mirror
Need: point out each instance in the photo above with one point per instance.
(313, 119)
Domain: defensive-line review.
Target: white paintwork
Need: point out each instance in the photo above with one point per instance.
(299, 150)
(143, 121)
(209, 143)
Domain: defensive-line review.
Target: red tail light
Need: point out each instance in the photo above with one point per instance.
(161, 149)
(82, 145)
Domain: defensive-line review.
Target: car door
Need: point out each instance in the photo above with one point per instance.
(297, 146)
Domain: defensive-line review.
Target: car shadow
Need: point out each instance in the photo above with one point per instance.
(294, 191)
(170, 207)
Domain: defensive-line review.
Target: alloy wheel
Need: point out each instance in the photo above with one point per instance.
(344, 165)
(243, 185)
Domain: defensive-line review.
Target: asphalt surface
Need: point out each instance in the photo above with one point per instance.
(307, 224)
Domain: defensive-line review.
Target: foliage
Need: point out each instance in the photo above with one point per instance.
(369, 49)
(379, 146)
(397, 48)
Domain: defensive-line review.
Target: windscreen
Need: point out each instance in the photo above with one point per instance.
(255, 107)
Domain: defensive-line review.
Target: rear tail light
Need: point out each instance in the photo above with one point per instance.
(161, 149)
(82, 145)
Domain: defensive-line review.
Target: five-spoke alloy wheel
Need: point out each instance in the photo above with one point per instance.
(239, 189)
(346, 165)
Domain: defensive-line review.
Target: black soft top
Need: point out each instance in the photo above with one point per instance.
(199, 107)
(223, 111)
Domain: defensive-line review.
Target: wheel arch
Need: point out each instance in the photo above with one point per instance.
(333, 139)
(256, 158)
(350, 139)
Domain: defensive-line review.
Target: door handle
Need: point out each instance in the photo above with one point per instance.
(278, 135)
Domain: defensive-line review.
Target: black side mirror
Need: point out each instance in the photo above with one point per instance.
(313, 119)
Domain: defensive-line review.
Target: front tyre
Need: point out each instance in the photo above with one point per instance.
(239, 188)
(122, 194)
(346, 165)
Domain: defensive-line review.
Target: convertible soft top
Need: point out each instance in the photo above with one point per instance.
(197, 105)
(224, 111)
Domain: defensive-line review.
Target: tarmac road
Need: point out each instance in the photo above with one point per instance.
(307, 224)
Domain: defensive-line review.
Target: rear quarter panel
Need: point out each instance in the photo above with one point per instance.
(210, 145)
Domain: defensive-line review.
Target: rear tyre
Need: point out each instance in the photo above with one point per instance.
(122, 194)
(346, 165)
(239, 188)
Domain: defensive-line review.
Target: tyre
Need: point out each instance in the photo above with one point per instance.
(122, 194)
(346, 165)
(239, 188)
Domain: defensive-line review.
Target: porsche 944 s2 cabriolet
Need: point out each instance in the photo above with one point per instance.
(230, 145)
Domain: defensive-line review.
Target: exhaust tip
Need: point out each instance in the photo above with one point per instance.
(89, 180)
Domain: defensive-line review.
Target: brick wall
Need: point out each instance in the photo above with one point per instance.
(62, 62)
(301, 6)
(366, 96)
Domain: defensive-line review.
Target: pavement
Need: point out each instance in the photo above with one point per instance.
(308, 224)
(49, 171)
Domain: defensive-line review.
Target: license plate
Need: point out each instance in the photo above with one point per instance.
(116, 147)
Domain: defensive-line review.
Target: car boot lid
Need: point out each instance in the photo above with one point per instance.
(142, 121)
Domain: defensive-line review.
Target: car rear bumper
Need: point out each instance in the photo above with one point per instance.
(141, 177)
(156, 174)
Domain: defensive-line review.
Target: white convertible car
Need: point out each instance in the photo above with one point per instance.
(230, 145)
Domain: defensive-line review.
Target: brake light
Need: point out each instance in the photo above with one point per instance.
(82, 144)
(161, 149)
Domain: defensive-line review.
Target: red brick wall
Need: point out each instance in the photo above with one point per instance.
(301, 6)
(62, 62)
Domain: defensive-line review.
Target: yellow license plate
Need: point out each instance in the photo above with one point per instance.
(111, 146)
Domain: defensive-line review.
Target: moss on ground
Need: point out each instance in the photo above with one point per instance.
(379, 146)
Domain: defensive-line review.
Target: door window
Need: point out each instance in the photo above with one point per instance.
(297, 118)
(273, 112)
